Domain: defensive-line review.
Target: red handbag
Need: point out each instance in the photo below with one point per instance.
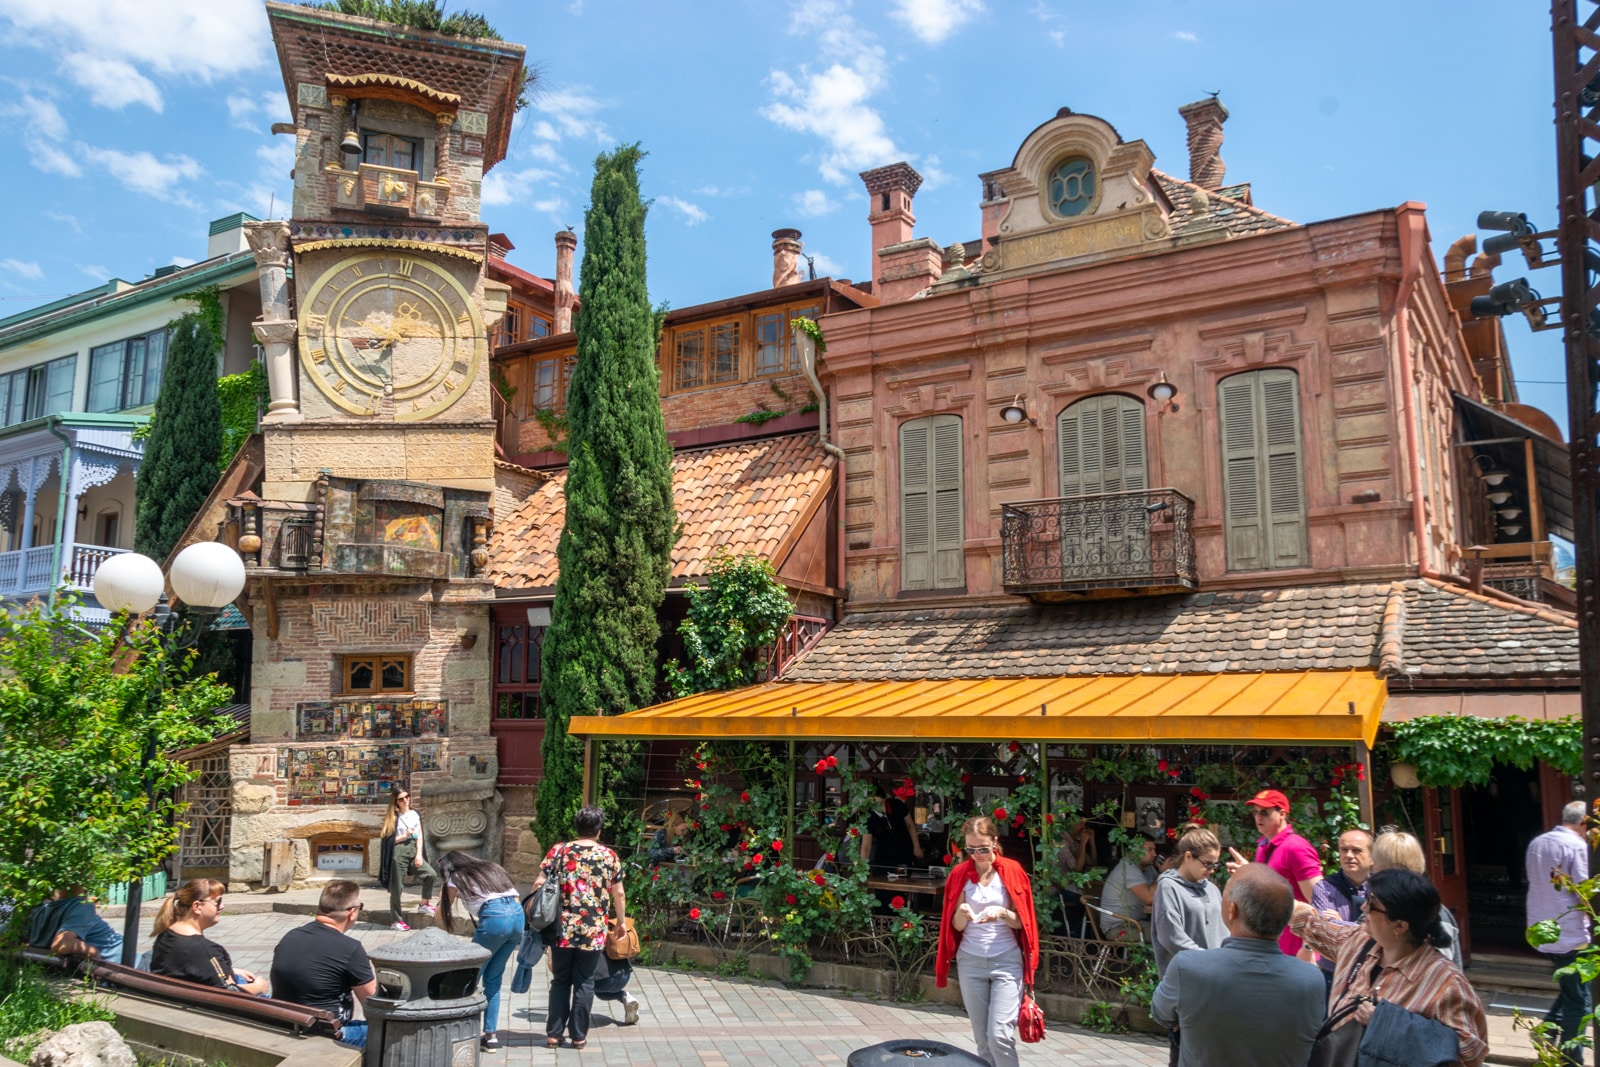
(1030, 1020)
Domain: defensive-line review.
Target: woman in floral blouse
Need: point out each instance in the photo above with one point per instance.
(589, 872)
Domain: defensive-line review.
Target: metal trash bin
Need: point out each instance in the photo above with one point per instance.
(908, 1051)
(428, 1010)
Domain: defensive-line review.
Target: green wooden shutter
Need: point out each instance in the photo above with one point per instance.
(949, 527)
(916, 493)
(1263, 480)
(1100, 446)
(1241, 473)
(1285, 496)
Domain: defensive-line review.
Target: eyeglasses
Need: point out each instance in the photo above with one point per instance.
(217, 901)
(402, 796)
(1210, 865)
(978, 850)
(1372, 909)
(356, 907)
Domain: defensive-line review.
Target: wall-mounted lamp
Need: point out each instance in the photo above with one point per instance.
(539, 616)
(1014, 412)
(1163, 392)
(1509, 513)
(83, 512)
(350, 146)
(1159, 505)
(1512, 530)
(1499, 496)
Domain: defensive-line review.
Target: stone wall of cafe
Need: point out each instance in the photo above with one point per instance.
(314, 770)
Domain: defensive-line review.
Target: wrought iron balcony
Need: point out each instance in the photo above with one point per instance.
(1128, 543)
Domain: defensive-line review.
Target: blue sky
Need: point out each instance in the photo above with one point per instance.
(131, 124)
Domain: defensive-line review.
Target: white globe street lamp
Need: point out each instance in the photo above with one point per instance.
(128, 582)
(208, 575)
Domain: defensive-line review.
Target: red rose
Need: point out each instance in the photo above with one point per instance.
(777, 846)
(1000, 814)
(1022, 779)
(854, 832)
(908, 924)
(747, 865)
(757, 858)
(744, 798)
(948, 857)
(726, 828)
(788, 898)
(1174, 773)
(1337, 781)
(833, 762)
(1361, 773)
(1013, 746)
(1049, 820)
(694, 913)
(1161, 764)
(827, 857)
(821, 767)
(744, 846)
(965, 778)
(819, 878)
(1198, 793)
(897, 902)
(1172, 833)
(656, 877)
(719, 895)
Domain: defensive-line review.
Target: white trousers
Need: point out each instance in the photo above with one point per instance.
(991, 990)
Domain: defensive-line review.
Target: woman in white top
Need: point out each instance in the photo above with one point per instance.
(404, 826)
(490, 897)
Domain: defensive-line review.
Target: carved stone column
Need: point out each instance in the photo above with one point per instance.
(269, 241)
(441, 156)
(566, 244)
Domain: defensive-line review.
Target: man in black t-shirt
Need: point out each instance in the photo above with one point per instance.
(320, 966)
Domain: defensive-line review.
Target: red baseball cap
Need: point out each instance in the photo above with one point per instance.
(1270, 798)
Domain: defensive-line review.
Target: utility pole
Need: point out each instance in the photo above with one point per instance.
(1577, 84)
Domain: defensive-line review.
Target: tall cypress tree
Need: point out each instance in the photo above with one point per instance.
(616, 545)
(180, 455)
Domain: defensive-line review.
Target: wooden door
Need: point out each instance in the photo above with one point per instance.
(1446, 861)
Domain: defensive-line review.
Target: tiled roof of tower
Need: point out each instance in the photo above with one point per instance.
(1239, 217)
(747, 496)
(1420, 629)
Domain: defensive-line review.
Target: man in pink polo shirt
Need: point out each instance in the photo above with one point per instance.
(1286, 852)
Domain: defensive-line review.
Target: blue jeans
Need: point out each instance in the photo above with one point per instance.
(1572, 1004)
(500, 925)
(354, 1033)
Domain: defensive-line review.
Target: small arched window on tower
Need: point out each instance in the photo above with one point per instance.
(1074, 187)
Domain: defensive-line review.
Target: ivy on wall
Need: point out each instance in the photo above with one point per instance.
(1456, 750)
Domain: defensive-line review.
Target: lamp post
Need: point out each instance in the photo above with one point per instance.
(207, 577)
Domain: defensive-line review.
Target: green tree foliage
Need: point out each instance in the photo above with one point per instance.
(185, 440)
(615, 548)
(737, 614)
(1455, 751)
(426, 15)
(77, 717)
(241, 397)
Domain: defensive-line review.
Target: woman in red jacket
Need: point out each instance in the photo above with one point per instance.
(989, 929)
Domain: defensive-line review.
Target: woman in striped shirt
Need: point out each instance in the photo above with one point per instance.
(1384, 959)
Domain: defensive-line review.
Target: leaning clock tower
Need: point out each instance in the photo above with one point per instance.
(364, 533)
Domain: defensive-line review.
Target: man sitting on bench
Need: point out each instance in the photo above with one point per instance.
(67, 925)
(320, 966)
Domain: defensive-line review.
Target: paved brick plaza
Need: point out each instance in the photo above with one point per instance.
(702, 1021)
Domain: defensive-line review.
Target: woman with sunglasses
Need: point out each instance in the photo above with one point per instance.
(1389, 958)
(490, 898)
(400, 852)
(182, 949)
(990, 932)
(1186, 912)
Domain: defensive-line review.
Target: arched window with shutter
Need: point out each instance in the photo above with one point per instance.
(931, 523)
(1100, 449)
(1263, 478)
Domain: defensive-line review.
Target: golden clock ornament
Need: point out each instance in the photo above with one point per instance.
(390, 325)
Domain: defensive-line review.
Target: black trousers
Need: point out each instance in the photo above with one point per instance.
(571, 992)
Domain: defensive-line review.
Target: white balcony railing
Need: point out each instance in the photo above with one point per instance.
(28, 570)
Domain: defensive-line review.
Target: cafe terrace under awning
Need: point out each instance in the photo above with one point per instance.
(1284, 707)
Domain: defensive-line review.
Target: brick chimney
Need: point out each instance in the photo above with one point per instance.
(1205, 119)
(786, 248)
(566, 244)
(902, 265)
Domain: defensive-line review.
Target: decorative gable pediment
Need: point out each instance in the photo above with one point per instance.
(1075, 190)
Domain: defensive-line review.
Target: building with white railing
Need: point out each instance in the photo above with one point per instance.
(78, 377)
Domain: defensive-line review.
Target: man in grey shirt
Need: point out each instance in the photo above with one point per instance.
(1245, 1004)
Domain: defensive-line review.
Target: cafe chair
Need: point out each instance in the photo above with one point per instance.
(1132, 932)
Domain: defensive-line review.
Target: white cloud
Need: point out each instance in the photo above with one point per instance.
(43, 129)
(1050, 20)
(815, 202)
(550, 207)
(503, 185)
(694, 213)
(935, 20)
(1058, 37)
(1185, 35)
(50, 159)
(834, 103)
(569, 114)
(70, 221)
(112, 83)
(111, 47)
(933, 176)
(27, 270)
(95, 271)
(827, 266)
(144, 173)
(546, 152)
(256, 113)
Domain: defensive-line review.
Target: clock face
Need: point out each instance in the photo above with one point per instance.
(390, 325)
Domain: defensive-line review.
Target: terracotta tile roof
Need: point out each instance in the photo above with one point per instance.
(1320, 628)
(1239, 217)
(745, 496)
(1410, 629)
(1452, 632)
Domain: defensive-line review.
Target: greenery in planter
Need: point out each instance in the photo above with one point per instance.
(1450, 751)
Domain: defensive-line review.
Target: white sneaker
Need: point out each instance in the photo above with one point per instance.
(427, 908)
(399, 924)
(630, 1009)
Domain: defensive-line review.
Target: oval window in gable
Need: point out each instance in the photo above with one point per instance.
(1073, 185)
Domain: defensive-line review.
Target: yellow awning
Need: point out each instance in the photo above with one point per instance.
(1299, 707)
